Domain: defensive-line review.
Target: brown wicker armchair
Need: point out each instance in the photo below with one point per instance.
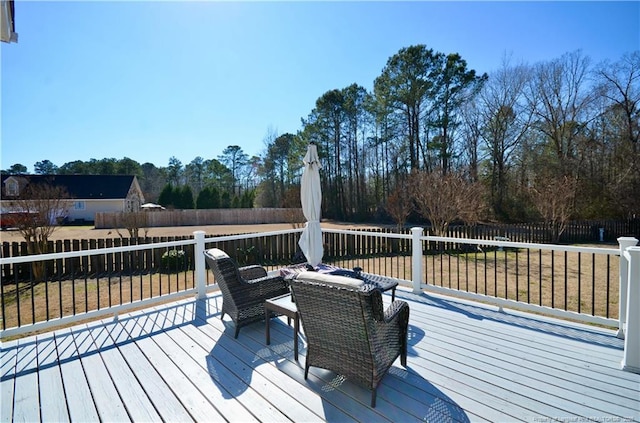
(349, 332)
(244, 289)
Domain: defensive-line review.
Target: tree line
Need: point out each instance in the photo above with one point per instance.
(223, 182)
(549, 140)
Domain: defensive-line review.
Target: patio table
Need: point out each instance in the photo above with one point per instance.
(385, 284)
(284, 305)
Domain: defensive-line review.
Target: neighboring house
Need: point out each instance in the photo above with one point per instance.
(88, 194)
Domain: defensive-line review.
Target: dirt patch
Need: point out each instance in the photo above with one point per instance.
(89, 232)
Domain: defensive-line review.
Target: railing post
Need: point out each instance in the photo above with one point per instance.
(416, 259)
(201, 280)
(631, 355)
(624, 243)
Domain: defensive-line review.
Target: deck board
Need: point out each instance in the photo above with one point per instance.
(190, 397)
(224, 402)
(507, 365)
(53, 405)
(156, 389)
(229, 384)
(255, 354)
(81, 405)
(8, 360)
(179, 362)
(26, 386)
(137, 403)
(107, 400)
(520, 369)
(268, 389)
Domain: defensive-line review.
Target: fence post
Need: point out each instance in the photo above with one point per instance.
(624, 243)
(201, 280)
(416, 259)
(631, 355)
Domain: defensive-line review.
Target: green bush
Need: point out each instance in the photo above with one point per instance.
(173, 260)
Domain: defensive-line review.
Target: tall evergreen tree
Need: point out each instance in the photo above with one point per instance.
(45, 167)
(225, 200)
(166, 197)
(185, 198)
(203, 201)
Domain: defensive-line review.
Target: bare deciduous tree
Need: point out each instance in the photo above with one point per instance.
(621, 87)
(133, 222)
(554, 198)
(399, 206)
(37, 211)
(561, 106)
(506, 120)
(291, 202)
(444, 198)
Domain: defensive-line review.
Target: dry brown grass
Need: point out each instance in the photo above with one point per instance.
(591, 285)
(89, 232)
(68, 298)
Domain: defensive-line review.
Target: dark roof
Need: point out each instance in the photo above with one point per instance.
(84, 186)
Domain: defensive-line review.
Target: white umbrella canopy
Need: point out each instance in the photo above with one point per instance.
(149, 206)
(311, 198)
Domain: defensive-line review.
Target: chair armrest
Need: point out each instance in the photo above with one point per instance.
(253, 271)
(390, 332)
(397, 310)
(269, 286)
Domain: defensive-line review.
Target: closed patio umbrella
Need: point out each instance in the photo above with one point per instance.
(311, 197)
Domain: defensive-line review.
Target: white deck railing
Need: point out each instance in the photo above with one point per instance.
(628, 321)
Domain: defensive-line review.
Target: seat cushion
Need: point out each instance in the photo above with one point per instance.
(334, 280)
(217, 254)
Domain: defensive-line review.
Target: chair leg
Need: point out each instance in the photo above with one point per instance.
(237, 332)
(373, 398)
(222, 316)
(306, 369)
(403, 354)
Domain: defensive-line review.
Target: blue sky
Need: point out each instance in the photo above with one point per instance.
(150, 80)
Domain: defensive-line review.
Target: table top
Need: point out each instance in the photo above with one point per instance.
(292, 271)
(381, 282)
(283, 301)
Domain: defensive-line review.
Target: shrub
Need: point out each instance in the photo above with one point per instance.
(173, 260)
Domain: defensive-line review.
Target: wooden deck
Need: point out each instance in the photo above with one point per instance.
(467, 362)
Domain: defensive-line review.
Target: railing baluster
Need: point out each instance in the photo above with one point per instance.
(579, 282)
(60, 295)
(19, 314)
(506, 274)
(608, 278)
(540, 277)
(475, 265)
(495, 273)
(593, 284)
(566, 281)
(485, 273)
(528, 276)
(517, 276)
(553, 279)
(46, 293)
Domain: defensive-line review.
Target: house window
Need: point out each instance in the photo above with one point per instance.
(12, 188)
(78, 205)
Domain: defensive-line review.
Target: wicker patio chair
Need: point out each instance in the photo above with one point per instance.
(349, 332)
(244, 289)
